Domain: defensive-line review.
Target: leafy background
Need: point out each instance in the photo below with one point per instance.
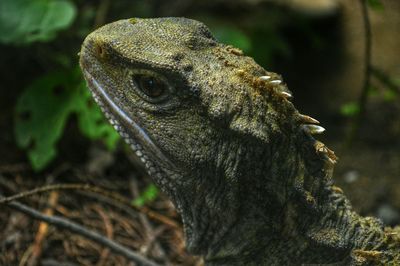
(46, 104)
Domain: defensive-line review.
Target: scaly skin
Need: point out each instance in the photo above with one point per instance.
(220, 137)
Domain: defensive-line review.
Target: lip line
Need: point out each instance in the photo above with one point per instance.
(138, 132)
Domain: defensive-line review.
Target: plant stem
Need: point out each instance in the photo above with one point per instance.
(362, 102)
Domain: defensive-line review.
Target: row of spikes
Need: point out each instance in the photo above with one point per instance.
(309, 124)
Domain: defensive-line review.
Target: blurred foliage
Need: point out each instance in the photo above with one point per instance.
(350, 109)
(148, 195)
(390, 95)
(385, 93)
(44, 108)
(375, 4)
(51, 32)
(233, 36)
(48, 103)
(262, 40)
(27, 21)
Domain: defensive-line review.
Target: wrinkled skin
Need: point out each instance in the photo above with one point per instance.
(220, 137)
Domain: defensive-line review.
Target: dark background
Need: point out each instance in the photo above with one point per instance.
(51, 132)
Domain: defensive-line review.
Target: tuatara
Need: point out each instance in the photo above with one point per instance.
(220, 136)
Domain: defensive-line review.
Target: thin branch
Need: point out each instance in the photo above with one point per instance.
(42, 232)
(367, 54)
(42, 189)
(97, 190)
(101, 13)
(78, 229)
(385, 79)
(362, 102)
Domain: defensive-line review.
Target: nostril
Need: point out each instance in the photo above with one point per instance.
(99, 50)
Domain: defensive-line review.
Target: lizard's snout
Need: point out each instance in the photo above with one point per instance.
(95, 47)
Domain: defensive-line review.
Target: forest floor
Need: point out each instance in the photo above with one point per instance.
(24, 241)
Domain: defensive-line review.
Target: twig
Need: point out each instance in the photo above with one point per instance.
(14, 168)
(149, 231)
(86, 187)
(362, 102)
(47, 188)
(385, 79)
(78, 229)
(42, 231)
(367, 52)
(109, 232)
(101, 13)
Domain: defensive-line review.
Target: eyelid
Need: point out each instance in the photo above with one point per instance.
(138, 72)
(134, 72)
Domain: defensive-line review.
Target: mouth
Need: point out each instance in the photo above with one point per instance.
(123, 123)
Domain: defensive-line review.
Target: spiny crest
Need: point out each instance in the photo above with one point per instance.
(251, 100)
(310, 126)
(278, 96)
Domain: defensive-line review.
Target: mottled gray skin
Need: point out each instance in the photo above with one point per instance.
(236, 158)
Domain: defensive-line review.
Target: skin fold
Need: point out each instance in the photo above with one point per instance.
(219, 135)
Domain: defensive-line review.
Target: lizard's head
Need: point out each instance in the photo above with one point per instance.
(205, 120)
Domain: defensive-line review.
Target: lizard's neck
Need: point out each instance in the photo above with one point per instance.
(305, 220)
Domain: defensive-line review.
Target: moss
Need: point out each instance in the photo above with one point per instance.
(133, 21)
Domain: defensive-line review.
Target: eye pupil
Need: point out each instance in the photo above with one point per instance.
(151, 86)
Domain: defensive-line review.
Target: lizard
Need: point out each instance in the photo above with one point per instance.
(222, 139)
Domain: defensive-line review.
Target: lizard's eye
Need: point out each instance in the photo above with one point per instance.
(152, 88)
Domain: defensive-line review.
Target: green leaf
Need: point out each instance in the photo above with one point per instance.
(26, 21)
(375, 4)
(350, 109)
(91, 120)
(148, 195)
(44, 108)
(232, 36)
(267, 45)
(41, 113)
